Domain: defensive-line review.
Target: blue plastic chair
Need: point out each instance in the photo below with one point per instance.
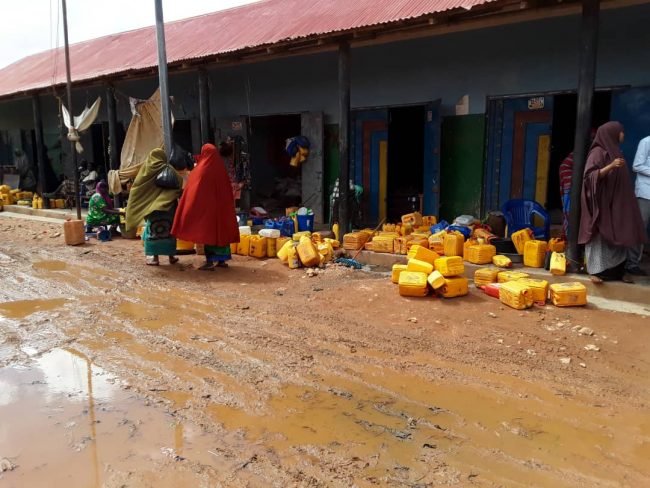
(520, 214)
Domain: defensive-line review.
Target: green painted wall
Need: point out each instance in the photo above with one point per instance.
(462, 152)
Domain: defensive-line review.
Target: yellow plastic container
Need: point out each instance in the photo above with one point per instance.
(416, 265)
(520, 238)
(73, 231)
(429, 220)
(283, 252)
(336, 231)
(423, 254)
(558, 264)
(568, 294)
(481, 254)
(293, 259)
(383, 243)
(502, 261)
(466, 245)
(271, 247)
(333, 242)
(453, 244)
(535, 253)
(414, 219)
(516, 294)
(506, 276)
(233, 248)
(309, 255)
(298, 235)
(244, 246)
(436, 280)
(437, 242)
(455, 286)
(485, 276)
(184, 246)
(397, 271)
(413, 284)
(355, 240)
(539, 289)
(60, 203)
(257, 247)
(450, 266)
(556, 245)
(326, 251)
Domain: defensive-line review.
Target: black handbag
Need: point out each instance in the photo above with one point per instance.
(168, 179)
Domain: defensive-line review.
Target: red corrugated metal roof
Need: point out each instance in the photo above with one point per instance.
(258, 24)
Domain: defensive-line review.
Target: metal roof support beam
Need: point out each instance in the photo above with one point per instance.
(204, 107)
(344, 136)
(40, 145)
(163, 79)
(586, 84)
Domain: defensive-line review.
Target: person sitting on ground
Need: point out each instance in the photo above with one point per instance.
(611, 220)
(206, 212)
(100, 208)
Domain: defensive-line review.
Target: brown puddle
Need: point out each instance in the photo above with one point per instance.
(65, 423)
(23, 308)
(50, 266)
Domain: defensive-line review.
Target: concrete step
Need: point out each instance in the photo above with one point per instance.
(638, 293)
(52, 213)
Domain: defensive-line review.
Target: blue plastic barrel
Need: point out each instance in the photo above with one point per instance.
(305, 222)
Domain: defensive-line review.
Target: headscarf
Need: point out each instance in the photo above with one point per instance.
(102, 190)
(146, 196)
(609, 206)
(206, 212)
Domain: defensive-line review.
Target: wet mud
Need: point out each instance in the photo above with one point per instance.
(261, 376)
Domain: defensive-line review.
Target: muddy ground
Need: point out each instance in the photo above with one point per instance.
(115, 374)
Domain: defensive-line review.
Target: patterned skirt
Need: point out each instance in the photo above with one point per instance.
(157, 237)
(217, 254)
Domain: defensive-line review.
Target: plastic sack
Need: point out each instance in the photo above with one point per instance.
(168, 179)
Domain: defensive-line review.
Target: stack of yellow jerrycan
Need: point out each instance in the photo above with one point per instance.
(568, 294)
(384, 242)
(413, 284)
(505, 276)
(535, 253)
(515, 294)
(520, 238)
(539, 289)
(485, 276)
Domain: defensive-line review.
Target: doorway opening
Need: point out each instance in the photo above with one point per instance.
(564, 127)
(275, 184)
(182, 134)
(405, 164)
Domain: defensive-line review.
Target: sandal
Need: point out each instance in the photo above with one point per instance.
(153, 261)
(222, 264)
(173, 259)
(207, 267)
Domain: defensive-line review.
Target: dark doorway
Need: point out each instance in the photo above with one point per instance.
(405, 161)
(275, 185)
(182, 134)
(564, 126)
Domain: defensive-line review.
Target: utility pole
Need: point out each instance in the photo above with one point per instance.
(586, 85)
(73, 154)
(344, 137)
(162, 77)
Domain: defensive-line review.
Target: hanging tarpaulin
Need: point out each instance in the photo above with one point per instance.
(81, 122)
(144, 134)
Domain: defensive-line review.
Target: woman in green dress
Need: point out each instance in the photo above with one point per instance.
(100, 208)
(154, 206)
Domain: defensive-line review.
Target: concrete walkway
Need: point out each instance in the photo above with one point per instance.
(52, 213)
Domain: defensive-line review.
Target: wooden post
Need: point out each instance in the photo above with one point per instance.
(40, 144)
(586, 85)
(344, 137)
(163, 78)
(204, 107)
(112, 134)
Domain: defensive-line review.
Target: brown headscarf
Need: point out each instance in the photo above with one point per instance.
(609, 207)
